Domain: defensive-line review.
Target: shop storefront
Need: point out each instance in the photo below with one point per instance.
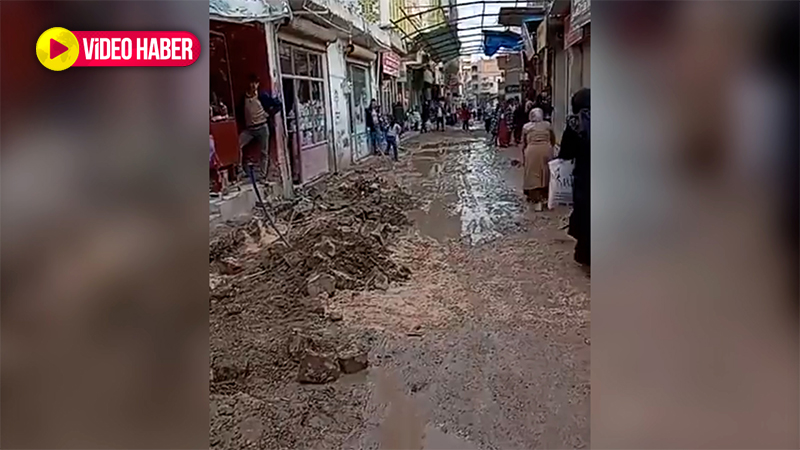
(305, 88)
(236, 50)
(241, 44)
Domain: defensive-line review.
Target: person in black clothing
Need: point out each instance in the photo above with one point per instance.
(543, 102)
(399, 114)
(575, 145)
(520, 119)
(426, 116)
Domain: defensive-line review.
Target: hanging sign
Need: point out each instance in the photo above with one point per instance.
(541, 36)
(572, 35)
(391, 64)
(581, 13)
(530, 46)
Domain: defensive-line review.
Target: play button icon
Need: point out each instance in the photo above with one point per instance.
(57, 48)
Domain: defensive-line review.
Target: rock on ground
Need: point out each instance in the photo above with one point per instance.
(318, 369)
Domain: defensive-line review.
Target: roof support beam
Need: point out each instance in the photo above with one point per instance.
(483, 2)
(461, 37)
(422, 30)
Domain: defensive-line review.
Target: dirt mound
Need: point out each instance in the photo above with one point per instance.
(268, 309)
(342, 232)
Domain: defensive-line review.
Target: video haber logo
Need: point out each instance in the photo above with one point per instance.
(59, 48)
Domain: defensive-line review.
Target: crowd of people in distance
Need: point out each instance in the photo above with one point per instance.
(513, 123)
(529, 127)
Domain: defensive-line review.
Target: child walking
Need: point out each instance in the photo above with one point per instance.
(392, 135)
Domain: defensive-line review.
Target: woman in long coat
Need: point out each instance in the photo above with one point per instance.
(537, 144)
(575, 145)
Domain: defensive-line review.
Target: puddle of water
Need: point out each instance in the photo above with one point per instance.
(475, 197)
(404, 426)
(436, 221)
(438, 440)
(425, 165)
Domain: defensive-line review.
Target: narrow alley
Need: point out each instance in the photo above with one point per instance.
(470, 316)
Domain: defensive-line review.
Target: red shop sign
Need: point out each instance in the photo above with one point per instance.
(391, 64)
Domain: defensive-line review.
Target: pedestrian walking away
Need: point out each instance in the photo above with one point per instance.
(575, 145)
(256, 110)
(520, 119)
(537, 149)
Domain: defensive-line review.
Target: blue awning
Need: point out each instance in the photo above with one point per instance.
(493, 41)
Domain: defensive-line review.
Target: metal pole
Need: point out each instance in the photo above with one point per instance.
(263, 205)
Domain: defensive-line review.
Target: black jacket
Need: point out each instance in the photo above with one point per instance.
(520, 118)
(399, 113)
(576, 146)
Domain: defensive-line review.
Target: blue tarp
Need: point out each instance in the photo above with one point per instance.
(493, 41)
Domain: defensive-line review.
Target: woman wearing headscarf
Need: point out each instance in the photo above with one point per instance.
(537, 144)
(575, 145)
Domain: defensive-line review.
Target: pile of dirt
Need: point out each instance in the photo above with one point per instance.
(270, 328)
(342, 232)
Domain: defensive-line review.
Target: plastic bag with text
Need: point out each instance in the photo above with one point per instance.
(560, 192)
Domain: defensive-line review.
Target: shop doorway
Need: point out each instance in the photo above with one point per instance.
(357, 101)
(304, 86)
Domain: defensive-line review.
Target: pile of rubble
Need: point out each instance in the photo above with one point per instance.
(337, 239)
(275, 294)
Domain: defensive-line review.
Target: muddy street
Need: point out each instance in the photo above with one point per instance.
(455, 312)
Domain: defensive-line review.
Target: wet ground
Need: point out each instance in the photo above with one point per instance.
(497, 355)
(485, 346)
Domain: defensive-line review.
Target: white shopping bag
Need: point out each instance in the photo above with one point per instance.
(560, 192)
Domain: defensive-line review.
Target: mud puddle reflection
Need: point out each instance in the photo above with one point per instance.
(466, 193)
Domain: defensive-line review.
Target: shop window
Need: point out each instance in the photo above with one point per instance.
(311, 112)
(304, 91)
(285, 54)
(316, 65)
(221, 99)
(301, 63)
